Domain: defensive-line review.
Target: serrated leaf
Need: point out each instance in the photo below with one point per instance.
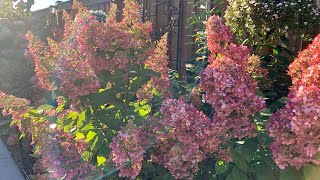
(148, 170)
(45, 107)
(221, 167)
(81, 118)
(72, 115)
(87, 127)
(90, 135)
(86, 155)
(79, 135)
(101, 160)
(263, 172)
(238, 174)
(239, 161)
(52, 119)
(248, 149)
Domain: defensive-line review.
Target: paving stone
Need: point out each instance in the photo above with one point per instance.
(8, 168)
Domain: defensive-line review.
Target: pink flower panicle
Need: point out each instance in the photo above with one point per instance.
(306, 59)
(88, 47)
(218, 33)
(62, 157)
(179, 147)
(44, 62)
(14, 107)
(228, 86)
(295, 128)
(130, 144)
(158, 62)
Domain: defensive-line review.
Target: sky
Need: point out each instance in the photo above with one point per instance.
(41, 4)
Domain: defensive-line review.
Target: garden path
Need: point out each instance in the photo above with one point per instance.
(8, 168)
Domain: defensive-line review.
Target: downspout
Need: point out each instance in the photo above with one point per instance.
(142, 1)
(179, 35)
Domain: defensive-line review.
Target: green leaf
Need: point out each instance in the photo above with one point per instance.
(72, 115)
(239, 161)
(90, 136)
(101, 160)
(248, 149)
(52, 119)
(44, 107)
(86, 155)
(168, 176)
(99, 145)
(263, 172)
(283, 100)
(22, 135)
(87, 127)
(148, 170)
(291, 174)
(34, 113)
(275, 51)
(285, 41)
(278, 104)
(79, 135)
(114, 119)
(221, 167)
(282, 59)
(157, 178)
(81, 118)
(238, 174)
(103, 152)
(229, 177)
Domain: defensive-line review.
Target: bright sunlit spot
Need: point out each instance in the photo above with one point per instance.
(41, 4)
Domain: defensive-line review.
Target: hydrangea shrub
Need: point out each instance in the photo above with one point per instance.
(94, 70)
(252, 17)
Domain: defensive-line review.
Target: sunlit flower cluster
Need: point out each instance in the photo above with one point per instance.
(60, 153)
(305, 66)
(217, 33)
(295, 128)
(158, 62)
(128, 149)
(74, 63)
(14, 107)
(179, 145)
(62, 157)
(229, 88)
